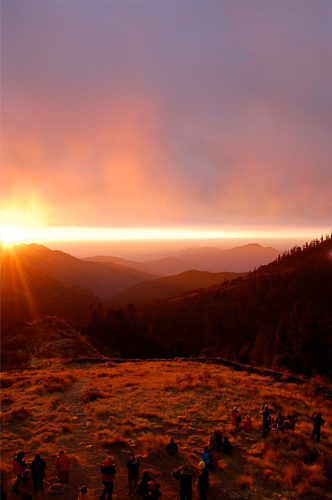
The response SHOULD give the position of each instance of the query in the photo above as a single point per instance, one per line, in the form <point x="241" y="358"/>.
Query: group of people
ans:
<point x="32" y="478"/>
<point x="148" y="488"/>
<point x="278" y="424"/>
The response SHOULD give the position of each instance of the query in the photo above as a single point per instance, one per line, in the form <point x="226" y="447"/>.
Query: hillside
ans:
<point x="28" y="293"/>
<point x="118" y="409"/>
<point x="170" y="286"/>
<point x="279" y="316"/>
<point x="44" y="339"/>
<point x="102" y="279"/>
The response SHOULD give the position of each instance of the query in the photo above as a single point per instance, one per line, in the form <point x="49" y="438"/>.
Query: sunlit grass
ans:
<point x="121" y="409"/>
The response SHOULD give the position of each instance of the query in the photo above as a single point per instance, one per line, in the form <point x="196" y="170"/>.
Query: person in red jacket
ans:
<point x="107" y="476"/>
<point x="235" y="415"/>
<point x="24" y="486"/>
<point x="19" y="464"/>
<point x="214" y="459"/>
<point x="62" y="464"/>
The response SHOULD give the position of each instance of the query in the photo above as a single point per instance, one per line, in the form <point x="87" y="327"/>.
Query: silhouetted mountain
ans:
<point x="122" y="262"/>
<point x="239" y="259"/>
<point x="279" y="316"/>
<point x="28" y="293"/>
<point x="169" y="266"/>
<point x="170" y="286"/>
<point x="102" y="279"/>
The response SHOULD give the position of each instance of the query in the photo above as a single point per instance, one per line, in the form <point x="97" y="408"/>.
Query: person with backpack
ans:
<point x="203" y="481"/>
<point x="37" y="468"/>
<point x="62" y="464"/>
<point x="142" y="488"/>
<point x="318" y="422"/>
<point x="24" y="486"/>
<point x="280" y="422"/>
<point x="266" y="415"/>
<point x="185" y="477"/>
<point x="133" y="465"/>
<point x="235" y="415"/>
<point x="19" y="464"/>
<point x="107" y="470"/>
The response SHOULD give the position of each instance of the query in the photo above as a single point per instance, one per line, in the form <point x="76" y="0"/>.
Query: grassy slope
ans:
<point x="119" y="409"/>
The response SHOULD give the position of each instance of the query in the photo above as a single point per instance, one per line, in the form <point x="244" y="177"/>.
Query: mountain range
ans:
<point x="277" y="316"/>
<point x="240" y="259"/>
<point x="37" y="281"/>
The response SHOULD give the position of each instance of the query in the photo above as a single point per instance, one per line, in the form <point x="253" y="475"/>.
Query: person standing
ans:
<point x="184" y="476"/>
<point x="107" y="476"/>
<point x="62" y="464"/>
<point x="203" y="481"/>
<point x="235" y="414"/>
<point x="171" y="447"/>
<point x="265" y="412"/>
<point x="318" y="422"/>
<point x="19" y="464"/>
<point x="37" y="467"/>
<point x="280" y="422"/>
<point x="133" y="465"/>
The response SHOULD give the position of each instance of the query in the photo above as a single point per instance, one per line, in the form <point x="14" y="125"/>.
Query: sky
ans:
<point x="166" y="115"/>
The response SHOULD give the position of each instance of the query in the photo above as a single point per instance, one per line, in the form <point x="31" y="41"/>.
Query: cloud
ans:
<point x="161" y="114"/>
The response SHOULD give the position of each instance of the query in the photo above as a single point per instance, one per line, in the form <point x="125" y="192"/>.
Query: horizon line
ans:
<point x="34" y="234"/>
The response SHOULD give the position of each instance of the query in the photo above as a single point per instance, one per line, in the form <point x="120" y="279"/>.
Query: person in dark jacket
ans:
<point x="142" y="488"/>
<point x="133" y="470"/>
<point x="203" y="481"/>
<point x="185" y="477"/>
<point x="265" y="412"/>
<point x="290" y="422"/>
<point x="227" y="446"/>
<point x="280" y="422"/>
<point x="37" y="467"/>
<point x="19" y="464"/>
<point x="218" y="437"/>
<point x="154" y="491"/>
<point x="107" y="476"/>
<point x="318" y="422"/>
<point x="171" y="447"/>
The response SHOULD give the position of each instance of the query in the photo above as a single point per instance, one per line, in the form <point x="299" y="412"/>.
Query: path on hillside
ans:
<point x="83" y="444"/>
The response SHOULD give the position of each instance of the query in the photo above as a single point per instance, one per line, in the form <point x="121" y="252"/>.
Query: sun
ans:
<point x="11" y="235"/>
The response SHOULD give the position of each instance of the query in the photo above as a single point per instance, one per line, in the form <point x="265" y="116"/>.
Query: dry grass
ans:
<point x="119" y="409"/>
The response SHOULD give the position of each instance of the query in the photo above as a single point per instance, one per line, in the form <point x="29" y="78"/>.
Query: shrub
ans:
<point x="152" y="442"/>
<point x="16" y="415"/>
<point x="245" y="481"/>
<point x="92" y="395"/>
